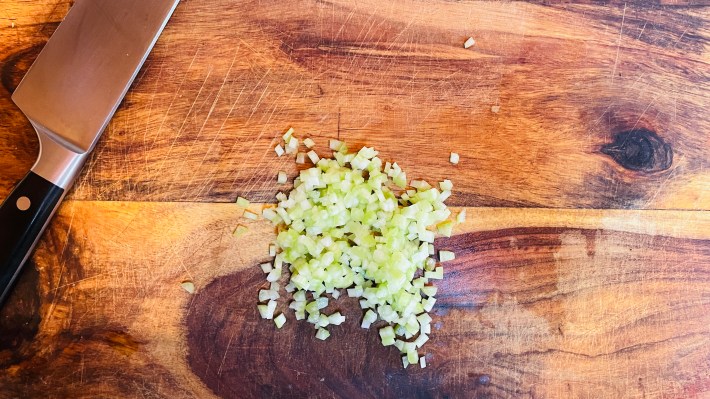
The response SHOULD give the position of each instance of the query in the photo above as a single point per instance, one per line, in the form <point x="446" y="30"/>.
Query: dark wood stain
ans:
<point x="79" y="360"/>
<point x="14" y="67"/>
<point x="515" y="271"/>
<point x="640" y="150"/>
<point x="20" y="317"/>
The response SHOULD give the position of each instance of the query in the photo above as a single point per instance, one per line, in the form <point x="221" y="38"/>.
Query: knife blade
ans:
<point x="69" y="95"/>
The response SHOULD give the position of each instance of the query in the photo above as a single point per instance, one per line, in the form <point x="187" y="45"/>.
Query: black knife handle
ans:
<point x="23" y="216"/>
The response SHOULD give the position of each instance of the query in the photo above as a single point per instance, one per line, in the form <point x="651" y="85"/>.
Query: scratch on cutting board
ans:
<point x="178" y="134"/>
<point x="252" y="183"/>
<point x="681" y="37"/>
<point x="642" y="30"/>
<point x="246" y="123"/>
<point x="172" y="101"/>
<point x="343" y="25"/>
<point x="618" y="44"/>
<point x="199" y="133"/>
<point x="226" y="350"/>
<point x="660" y="187"/>
<point x="150" y="113"/>
<point x="52" y="307"/>
<point x="283" y="104"/>
<point x="643" y="113"/>
<point x="210" y="177"/>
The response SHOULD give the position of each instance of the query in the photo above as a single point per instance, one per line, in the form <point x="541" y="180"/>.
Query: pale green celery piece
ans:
<point x="251" y="215"/>
<point x="387" y="335"/>
<point x="461" y="217"/>
<point x="243" y="202"/>
<point x="281" y="178"/>
<point x="313" y="318"/>
<point x="240" y="230"/>
<point x="266" y="295"/>
<point x="335" y="144"/>
<point x="312" y="307"/>
<point x="429" y="290"/>
<point x="446" y="185"/>
<point x="424" y="318"/>
<point x="412" y="357"/>
<point x="369" y="318"/>
<point x="322" y="302"/>
<point x="301" y="158"/>
<point x="445" y="228"/>
<point x="188" y="286"/>
<point x="322" y="334"/>
<point x="429" y="304"/>
<point x="437" y="274"/>
<point x="263" y="311"/>
<point x="445" y="256"/>
<point x="345" y="225"/>
<point x="336" y="319"/>
<point x="280" y="320"/>
<point x="314" y="158"/>
<point x="273" y="275"/>
<point x="299" y="296"/>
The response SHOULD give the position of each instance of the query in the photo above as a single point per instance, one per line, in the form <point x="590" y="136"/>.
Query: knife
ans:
<point x="69" y="95"/>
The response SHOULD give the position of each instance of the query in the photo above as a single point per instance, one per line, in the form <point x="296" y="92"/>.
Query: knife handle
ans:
<point x="23" y="217"/>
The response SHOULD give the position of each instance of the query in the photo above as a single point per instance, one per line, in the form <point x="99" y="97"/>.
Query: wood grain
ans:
<point x="571" y="80"/>
<point x="607" y="308"/>
<point x="582" y="270"/>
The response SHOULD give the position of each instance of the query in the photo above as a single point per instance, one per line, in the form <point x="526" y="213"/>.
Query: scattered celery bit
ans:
<point x="322" y="334"/>
<point x="313" y="156"/>
<point x="282" y="178"/>
<point x="445" y="228"/>
<point x="454" y="158"/>
<point x="437" y="274"/>
<point x="266" y="267"/>
<point x="445" y="256"/>
<point x="240" y="230"/>
<point x="243" y="202"/>
<point x="461" y="217"/>
<point x="188" y="286"/>
<point x="301" y="158"/>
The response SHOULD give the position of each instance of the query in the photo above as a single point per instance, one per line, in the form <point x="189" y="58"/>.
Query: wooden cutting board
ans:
<point x="582" y="270"/>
